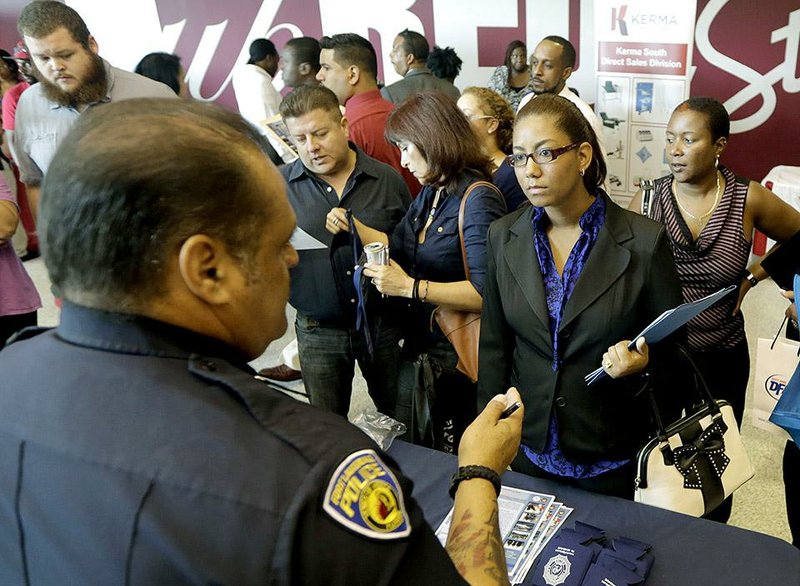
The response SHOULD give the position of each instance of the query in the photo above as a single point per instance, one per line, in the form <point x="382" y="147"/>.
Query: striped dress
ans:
<point x="715" y="260"/>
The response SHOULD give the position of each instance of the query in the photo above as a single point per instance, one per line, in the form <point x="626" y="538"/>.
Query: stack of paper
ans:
<point x="527" y="522"/>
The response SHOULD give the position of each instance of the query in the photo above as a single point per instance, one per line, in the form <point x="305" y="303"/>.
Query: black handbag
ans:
<point x="695" y="463"/>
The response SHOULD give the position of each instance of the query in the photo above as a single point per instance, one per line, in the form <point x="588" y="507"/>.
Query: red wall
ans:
<point x="741" y="31"/>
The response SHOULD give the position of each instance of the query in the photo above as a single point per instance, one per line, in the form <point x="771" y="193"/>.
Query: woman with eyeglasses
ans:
<point x="438" y="146"/>
<point x="570" y="281"/>
<point x="492" y="120"/>
<point x="710" y="213"/>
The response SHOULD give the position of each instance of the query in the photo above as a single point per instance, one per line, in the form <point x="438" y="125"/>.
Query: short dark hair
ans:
<point x="496" y="106"/>
<point x="10" y="63"/>
<point x="306" y="49"/>
<point x="261" y="49"/>
<point x="568" y="55"/>
<point x="441" y="133"/>
<point x="719" y="121"/>
<point x="43" y="17"/>
<point x="113" y="210"/>
<point x="163" y="67"/>
<point x="308" y="98"/>
<point x="444" y="63"/>
<point x="415" y="44"/>
<point x="352" y="49"/>
<point x="513" y="46"/>
<point x="574" y="124"/>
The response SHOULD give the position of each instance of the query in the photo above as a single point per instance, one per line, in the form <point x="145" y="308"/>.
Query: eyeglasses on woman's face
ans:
<point x="540" y="156"/>
<point x="474" y="117"/>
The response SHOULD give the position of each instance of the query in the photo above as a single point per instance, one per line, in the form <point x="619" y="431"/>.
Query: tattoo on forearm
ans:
<point x="476" y="545"/>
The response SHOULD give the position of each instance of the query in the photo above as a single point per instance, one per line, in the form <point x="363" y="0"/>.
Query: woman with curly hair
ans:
<point x="492" y="120"/>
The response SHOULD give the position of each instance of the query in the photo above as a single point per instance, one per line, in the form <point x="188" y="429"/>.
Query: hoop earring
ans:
<point x="716" y="161"/>
<point x="581" y="171"/>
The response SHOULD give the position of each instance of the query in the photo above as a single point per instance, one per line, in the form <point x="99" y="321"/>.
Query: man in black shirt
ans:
<point x="333" y="172"/>
<point x="146" y="452"/>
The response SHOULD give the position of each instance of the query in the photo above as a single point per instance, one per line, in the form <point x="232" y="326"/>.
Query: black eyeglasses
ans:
<point x="540" y="157"/>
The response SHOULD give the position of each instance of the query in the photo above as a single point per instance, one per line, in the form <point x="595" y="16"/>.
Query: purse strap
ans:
<point x="647" y="196"/>
<point x="778" y="333"/>
<point x="700" y="386"/>
<point x="461" y="209"/>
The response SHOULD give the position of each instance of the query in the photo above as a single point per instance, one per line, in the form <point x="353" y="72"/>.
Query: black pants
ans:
<point x="791" y="470"/>
<point x="618" y="482"/>
<point x="452" y="400"/>
<point x="11" y="324"/>
<point x="791" y="481"/>
<point x="726" y="372"/>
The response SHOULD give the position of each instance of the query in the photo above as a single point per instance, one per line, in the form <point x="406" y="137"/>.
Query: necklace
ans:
<point x="434" y="206"/>
<point x="700" y="219"/>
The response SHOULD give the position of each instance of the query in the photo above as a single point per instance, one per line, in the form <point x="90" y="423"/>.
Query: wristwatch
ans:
<point x="750" y="277"/>
<point x="468" y="472"/>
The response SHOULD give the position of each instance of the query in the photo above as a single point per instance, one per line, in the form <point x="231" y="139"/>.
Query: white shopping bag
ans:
<point x="776" y="361"/>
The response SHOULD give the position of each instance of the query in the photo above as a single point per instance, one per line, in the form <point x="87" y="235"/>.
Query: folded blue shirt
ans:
<point x="566" y="558"/>
<point x="608" y="571"/>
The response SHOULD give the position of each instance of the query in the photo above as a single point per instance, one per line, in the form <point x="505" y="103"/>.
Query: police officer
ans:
<point x="145" y="452"/>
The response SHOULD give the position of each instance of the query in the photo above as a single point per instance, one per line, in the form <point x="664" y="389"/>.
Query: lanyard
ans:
<point x="362" y="323"/>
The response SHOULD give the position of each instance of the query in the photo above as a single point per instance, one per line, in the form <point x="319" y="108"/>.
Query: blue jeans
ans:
<point x="327" y="358"/>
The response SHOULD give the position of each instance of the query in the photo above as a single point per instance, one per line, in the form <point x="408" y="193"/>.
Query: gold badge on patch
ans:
<point x="378" y="504"/>
<point x="364" y="496"/>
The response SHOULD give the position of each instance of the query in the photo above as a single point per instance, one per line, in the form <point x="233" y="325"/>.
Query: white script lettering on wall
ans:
<point x="758" y="85"/>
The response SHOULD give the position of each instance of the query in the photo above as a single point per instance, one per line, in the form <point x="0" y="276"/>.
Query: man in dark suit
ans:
<point x="409" y="58"/>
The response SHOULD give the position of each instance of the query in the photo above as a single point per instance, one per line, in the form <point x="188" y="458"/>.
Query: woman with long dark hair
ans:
<point x="440" y="149"/>
<point x="9" y="72"/>
<point x="166" y="68"/>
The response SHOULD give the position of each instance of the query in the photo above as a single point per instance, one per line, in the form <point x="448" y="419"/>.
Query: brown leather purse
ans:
<point x="463" y="328"/>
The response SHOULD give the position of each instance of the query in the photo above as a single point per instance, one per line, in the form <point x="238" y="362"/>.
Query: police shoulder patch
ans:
<point x="364" y="496"/>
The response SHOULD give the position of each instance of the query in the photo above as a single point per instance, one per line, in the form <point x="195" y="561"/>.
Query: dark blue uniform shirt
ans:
<point x="135" y="452"/>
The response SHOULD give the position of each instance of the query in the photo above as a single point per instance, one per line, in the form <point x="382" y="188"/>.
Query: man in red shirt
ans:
<point x="9" y="108"/>
<point x="349" y="67"/>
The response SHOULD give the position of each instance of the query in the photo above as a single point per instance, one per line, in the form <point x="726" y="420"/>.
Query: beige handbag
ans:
<point x="694" y="464"/>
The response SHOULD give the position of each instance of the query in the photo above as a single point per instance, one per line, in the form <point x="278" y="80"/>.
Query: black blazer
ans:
<point x="628" y="280"/>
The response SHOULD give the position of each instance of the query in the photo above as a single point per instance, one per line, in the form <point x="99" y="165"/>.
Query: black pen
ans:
<point x="509" y="410"/>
